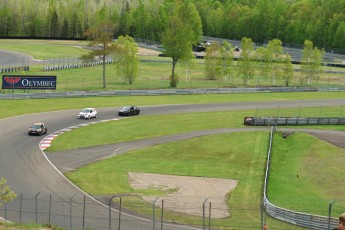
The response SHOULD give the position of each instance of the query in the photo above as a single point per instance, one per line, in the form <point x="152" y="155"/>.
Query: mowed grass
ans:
<point x="45" y="49"/>
<point x="305" y="174"/>
<point x="216" y="156"/>
<point x="226" y="156"/>
<point x="143" y="127"/>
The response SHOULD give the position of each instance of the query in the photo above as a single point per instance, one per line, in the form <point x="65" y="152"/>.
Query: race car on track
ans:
<point x="38" y="129"/>
<point x="129" y="110"/>
<point x="87" y="113"/>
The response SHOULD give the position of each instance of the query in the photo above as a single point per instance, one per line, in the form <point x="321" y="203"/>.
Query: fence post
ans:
<point x="203" y="214"/>
<point x="70" y="212"/>
<point x="120" y="213"/>
<point x="21" y="206"/>
<point x="50" y="207"/>
<point x="153" y="212"/>
<point x="162" y="215"/>
<point x="329" y="214"/>
<point x="109" y="204"/>
<point x="84" y="212"/>
<point x="36" y="204"/>
<point x="5" y="211"/>
<point x="263" y="219"/>
<point x="209" y="217"/>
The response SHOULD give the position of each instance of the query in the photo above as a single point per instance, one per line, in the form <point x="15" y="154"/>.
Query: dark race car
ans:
<point x="38" y="129"/>
<point x="129" y="110"/>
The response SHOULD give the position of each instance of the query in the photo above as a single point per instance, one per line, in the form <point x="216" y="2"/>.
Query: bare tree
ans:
<point x="101" y="44"/>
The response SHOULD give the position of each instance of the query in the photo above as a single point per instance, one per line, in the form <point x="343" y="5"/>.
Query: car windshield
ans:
<point x="36" y="126"/>
<point x="126" y="107"/>
<point x="85" y="110"/>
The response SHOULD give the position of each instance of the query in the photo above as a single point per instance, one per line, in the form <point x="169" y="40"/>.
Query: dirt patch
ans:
<point x="145" y="51"/>
<point x="186" y="194"/>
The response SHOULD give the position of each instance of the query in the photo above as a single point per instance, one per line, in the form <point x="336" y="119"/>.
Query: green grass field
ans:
<point x="232" y="156"/>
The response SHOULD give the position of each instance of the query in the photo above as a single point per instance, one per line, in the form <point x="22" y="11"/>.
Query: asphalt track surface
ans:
<point x="15" y="59"/>
<point x="29" y="171"/>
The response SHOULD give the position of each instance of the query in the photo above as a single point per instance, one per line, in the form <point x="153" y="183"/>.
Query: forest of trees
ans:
<point x="291" y="21"/>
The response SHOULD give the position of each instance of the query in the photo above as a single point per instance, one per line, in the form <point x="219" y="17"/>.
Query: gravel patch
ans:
<point x="187" y="194"/>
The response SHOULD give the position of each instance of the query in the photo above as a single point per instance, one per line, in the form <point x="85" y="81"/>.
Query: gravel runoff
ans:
<point x="186" y="194"/>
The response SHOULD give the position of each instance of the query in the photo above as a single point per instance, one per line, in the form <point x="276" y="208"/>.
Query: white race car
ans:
<point x="87" y="113"/>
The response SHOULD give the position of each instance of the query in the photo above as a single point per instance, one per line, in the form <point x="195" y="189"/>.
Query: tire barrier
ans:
<point x="14" y="69"/>
<point x="72" y="66"/>
<point x="275" y="121"/>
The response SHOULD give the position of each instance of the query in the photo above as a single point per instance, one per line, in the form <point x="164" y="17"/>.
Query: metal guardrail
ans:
<point x="281" y="121"/>
<point x="301" y="219"/>
<point x="297" y="218"/>
<point x="162" y="92"/>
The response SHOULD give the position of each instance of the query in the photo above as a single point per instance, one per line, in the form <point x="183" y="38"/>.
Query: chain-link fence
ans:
<point x="121" y="212"/>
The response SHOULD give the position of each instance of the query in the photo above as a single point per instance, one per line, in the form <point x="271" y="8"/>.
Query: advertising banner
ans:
<point x="28" y="82"/>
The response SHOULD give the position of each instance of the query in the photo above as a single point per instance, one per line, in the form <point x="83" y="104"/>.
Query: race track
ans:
<point x="28" y="170"/>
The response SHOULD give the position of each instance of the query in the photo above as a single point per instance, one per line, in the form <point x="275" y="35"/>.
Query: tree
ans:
<point x="311" y="63"/>
<point x="124" y="20"/>
<point x="101" y="44"/>
<point x="287" y="71"/>
<point x="127" y="60"/>
<point x="54" y="25"/>
<point x="226" y="60"/>
<point x="6" y="194"/>
<point x="246" y="68"/>
<point x="274" y="54"/>
<point x="188" y="62"/>
<point x="212" y="57"/>
<point x="262" y="64"/>
<point x="183" y="31"/>
<point x="176" y="42"/>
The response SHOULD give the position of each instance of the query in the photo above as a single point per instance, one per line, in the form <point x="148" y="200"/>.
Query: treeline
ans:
<point x="291" y="21"/>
